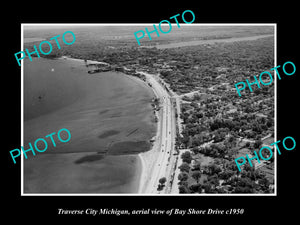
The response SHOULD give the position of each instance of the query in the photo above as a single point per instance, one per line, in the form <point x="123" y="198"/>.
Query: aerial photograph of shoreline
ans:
<point x="160" y="118"/>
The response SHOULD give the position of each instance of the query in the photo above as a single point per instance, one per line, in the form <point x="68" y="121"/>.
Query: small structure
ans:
<point x="99" y="67"/>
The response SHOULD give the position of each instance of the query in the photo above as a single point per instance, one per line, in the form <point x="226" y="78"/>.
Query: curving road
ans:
<point x="162" y="167"/>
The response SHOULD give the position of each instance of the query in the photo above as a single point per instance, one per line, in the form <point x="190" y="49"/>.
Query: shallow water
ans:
<point x="102" y="111"/>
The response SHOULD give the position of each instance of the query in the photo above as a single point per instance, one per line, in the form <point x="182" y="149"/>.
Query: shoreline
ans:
<point x="146" y="159"/>
<point x="141" y="166"/>
<point x="142" y="173"/>
<point x="132" y="184"/>
<point x="80" y="60"/>
<point x="149" y="158"/>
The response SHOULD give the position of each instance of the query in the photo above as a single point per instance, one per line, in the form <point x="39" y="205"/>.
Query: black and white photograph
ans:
<point x="142" y="111"/>
<point x="159" y="117"/>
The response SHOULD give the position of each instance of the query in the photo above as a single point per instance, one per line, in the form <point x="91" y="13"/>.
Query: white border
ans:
<point x="275" y="106"/>
<point x="22" y="111"/>
<point x="145" y="24"/>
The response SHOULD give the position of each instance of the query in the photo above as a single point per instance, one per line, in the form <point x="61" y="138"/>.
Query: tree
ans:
<point x="196" y="141"/>
<point x="213" y="180"/>
<point x="196" y="175"/>
<point x="195" y="149"/>
<point x="231" y="139"/>
<point x="264" y="183"/>
<point x="186" y="157"/>
<point x="219" y="137"/>
<point x="162" y="180"/>
<point x="207" y="188"/>
<point x="225" y="175"/>
<point x="196" y="166"/>
<point x="196" y="188"/>
<point x="221" y="190"/>
<point x="269" y="123"/>
<point x="214" y="169"/>
<point x="184" y="167"/>
<point x="185" y="139"/>
<point x="197" y="97"/>
<point x="183" y="189"/>
<point x="199" y="115"/>
<point x="183" y="176"/>
<point x="161" y="184"/>
<point x="257" y="144"/>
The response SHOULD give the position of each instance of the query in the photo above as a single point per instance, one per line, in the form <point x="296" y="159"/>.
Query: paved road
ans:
<point x="162" y="165"/>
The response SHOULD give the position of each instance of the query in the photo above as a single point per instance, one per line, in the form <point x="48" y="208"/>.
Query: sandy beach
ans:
<point x="88" y="61"/>
<point x="149" y="158"/>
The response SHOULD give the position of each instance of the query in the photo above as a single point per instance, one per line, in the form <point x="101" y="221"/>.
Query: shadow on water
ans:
<point x="108" y="133"/>
<point x="120" y="148"/>
<point x="90" y="158"/>
<point x="103" y="111"/>
<point x="128" y="147"/>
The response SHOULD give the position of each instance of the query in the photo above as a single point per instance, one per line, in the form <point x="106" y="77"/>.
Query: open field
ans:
<point x="209" y="41"/>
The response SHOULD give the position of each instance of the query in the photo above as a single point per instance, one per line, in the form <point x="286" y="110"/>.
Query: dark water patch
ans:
<point x="103" y="111"/>
<point x="90" y="158"/>
<point x="108" y="133"/>
<point x="129" y="147"/>
<point x="131" y="132"/>
<point x="118" y="114"/>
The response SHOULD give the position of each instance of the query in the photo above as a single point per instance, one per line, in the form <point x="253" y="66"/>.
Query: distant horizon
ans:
<point x="110" y="29"/>
<point x="32" y="26"/>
